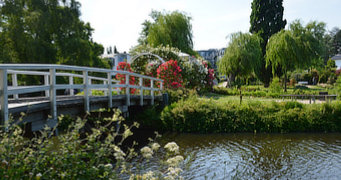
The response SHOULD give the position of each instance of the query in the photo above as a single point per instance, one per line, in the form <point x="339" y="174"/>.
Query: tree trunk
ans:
<point x="240" y="95"/>
<point x="285" y="82"/>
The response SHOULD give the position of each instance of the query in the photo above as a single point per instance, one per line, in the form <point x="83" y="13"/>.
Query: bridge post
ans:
<point x="86" y="91"/>
<point x="141" y="91"/>
<point x="4" y="98"/>
<point x="152" y="91"/>
<point x="15" y="84"/>
<point x="71" y="83"/>
<point x="109" y="90"/>
<point x="127" y="90"/>
<point x="53" y="98"/>
<point x="46" y="83"/>
<point x="90" y="91"/>
<point x="161" y="87"/>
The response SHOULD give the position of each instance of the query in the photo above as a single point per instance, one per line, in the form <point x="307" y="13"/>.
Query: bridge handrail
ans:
<point x="50" y="85"/>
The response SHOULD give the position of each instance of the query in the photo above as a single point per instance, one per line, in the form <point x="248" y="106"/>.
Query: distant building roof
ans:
<point x="337" y="57"/>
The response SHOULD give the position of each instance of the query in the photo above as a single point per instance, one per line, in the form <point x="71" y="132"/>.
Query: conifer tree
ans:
<point x="266" y="19"/>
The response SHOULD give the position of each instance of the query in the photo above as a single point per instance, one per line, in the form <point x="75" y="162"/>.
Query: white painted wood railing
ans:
<point x="50" y="87"/>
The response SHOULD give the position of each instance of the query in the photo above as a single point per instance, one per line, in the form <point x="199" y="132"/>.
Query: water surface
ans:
<point x="260" y="156"/>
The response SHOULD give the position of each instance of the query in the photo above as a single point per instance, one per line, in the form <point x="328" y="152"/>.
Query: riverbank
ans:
<point x="224" y="114"/>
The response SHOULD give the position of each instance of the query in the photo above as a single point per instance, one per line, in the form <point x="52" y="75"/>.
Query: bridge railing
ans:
<point x="50" y="87"/>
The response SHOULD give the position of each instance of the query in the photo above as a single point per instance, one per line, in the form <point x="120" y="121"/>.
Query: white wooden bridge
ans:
<point x="44" y="110"/>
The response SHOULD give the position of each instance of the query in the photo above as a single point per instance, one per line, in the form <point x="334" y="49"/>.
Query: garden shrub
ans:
<point x="208" y="115"/>
<point x="83" y="153"/>
<point x="175" y="95"/>
<point x="170" y="73"/>
<point x="275" y="85"/>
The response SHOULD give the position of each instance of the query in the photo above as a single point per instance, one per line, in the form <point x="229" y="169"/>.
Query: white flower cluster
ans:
<point x="150" y="175"/>
<point x="175" y="161"/>
<point x="155" y="146"/>
<point x="147" y="152"/>
<point x="119" y="154"/>
<point x="173" y="173"/>
<point x="172" y="147"/>
<point x="197" y="72"/>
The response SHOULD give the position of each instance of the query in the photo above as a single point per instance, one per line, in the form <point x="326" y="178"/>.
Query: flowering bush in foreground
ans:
<point x="170" y="73"/>
<point x="79" y="153"/>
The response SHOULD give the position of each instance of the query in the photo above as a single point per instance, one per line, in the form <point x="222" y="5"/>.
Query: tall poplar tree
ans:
<point x="266" y="19"/>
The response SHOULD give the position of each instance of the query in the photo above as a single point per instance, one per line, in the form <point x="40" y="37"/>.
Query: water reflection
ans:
<point x="261" y="156"/>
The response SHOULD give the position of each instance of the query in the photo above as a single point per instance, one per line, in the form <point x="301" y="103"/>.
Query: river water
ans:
<point x="260" y="156"/>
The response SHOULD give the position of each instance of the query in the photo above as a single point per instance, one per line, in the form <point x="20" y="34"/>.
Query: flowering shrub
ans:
<point x="170" y="73"/>
<point x="151" y="70"/>
<point x="165" y="52"/>
<point x="197" y="74"/>
<point x="123" y="66"/>
<point x="81" y="153"/>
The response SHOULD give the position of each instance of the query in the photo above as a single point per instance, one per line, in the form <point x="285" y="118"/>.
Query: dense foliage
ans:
<point x="46" y="31"/>
<point x="242" y="57"/>
<point x="208" y="116"/>
<point x="173" y="29"/>
<point x="266" y="19"/>
<point x="88" y="149"/>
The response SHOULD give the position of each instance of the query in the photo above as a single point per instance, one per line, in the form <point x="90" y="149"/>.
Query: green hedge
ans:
<point x="263" y="92"/>
<point x="211" y="116"/>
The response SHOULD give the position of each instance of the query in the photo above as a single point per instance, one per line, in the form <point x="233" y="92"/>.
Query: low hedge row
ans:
<point x="211" y="116"/>
<point x="257" y="92"/>
<point x="254" y="93"/>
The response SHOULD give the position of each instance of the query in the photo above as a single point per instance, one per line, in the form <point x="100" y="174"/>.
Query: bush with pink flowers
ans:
<point x="170" y="72"/>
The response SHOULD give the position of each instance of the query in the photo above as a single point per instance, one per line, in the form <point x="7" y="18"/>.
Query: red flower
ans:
<point x="169" y="72"/>
<point x="123" y="66"/>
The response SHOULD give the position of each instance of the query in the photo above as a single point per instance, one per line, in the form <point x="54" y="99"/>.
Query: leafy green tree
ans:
<point x="242" y="57"/>
<point x="266" y="19"/>
<point x="173" y="29"/>
<point x="283" y="51"/>
<point x="46" y="31"/>
<point x="311" y="39"/>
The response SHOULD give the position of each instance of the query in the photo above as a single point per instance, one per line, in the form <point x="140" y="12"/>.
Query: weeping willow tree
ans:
<point x="242" y="57"/>
<point x="284" y="50"/>
<point x="173" y="29"/>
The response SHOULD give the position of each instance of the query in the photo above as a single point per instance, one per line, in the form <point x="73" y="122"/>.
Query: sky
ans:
<point x="118" y="22"/>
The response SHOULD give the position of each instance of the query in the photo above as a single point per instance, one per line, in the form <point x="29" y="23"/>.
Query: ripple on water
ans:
<point x="264" y="156"/>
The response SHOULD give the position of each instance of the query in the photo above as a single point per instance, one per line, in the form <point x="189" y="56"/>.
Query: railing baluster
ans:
<point x="109" y="90"/>
<point x="71" y="83"/>
<point x="161" y="86"/>
<point x="4" y="98"/>
<point x="15" y="84"/>
<point x="90" y="90"/>
<point x="127" y="90"/>
<point x="141" y="91"/>
<point x="46" y="83"/>
<point x="152" y="91"/>
<point x="53" y="98"/>
<point x="86" y="91"/>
